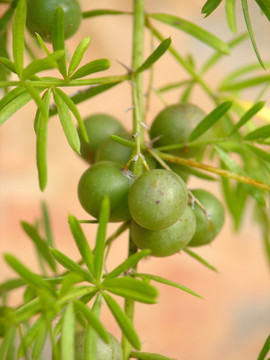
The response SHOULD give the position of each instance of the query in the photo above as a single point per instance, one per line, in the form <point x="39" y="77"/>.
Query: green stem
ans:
<point x="215" y="170"/>
<point x="54" y="82"/>
<point x="138" y="130"/>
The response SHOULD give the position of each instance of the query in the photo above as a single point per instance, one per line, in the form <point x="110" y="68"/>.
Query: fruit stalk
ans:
<point x="137" y="102"/>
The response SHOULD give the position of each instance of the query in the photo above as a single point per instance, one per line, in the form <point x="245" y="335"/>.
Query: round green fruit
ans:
<point x="210" y="224"/>
<point x="40" y="16"/>
<point x="99" y="127"/>
<point x="174" y="124"/>
<point x="111" y="351"/>
<point x="157" y="199"/>
<point x="102" y="179"/>
<point x="168" y="241"/>
<point x="111" y="150"/>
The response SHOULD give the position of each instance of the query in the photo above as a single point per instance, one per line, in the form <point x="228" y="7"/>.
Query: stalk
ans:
<point x="137" y="102"/>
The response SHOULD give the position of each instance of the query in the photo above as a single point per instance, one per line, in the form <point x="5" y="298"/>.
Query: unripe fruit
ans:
<point x="207" y="228"/>
<point x="174" y="124"/>
<point x="111" y="150"/>
<point x="167" y="241"/>
<point x="157" y="199"/>
<point x="111" y="351"/>
<point x="40" y="16"/>
<point x="102" y="179"/>
<point x="99" y="127"/>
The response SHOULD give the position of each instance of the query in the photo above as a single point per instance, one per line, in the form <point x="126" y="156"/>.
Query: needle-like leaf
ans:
<point x="210" y="120"/>
<point x="101" y="237"/>
<point x="250" y="31"/>
<point x="67" y="122"/>
<point x="231" y="16"/>
<point x="41" y="127"/>
<point x="131" y="288"/>
<point x="210" y="6"/>
<point x="18" y="36"/>
<point x="81" y="242"/>
<point x="123" y="321"/>
<point x="193" y="30"/>
<point x="68" y="332"/>
<point x="247" y="116"/>
<point x="157" y="53"/>
<point x="93" y="320"/>
<point x="78" y="54"/>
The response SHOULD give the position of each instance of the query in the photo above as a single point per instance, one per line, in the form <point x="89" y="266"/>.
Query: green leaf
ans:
<point x="247" y="116"/>
<point x="72" y="107"/>
<point x="256" y="193"/>
<point x="39" y="341"/>
<point x="123" y="321"/>
<point x="250" y="31"/>
<point x="193" y="30"/>
<point x="26" y="274"/>
<point x="11" y="285"/>
<point x="67" y="123"/>
<point x="83" y="95"/>
<point x="236" y="208"/>
<point x="8" y="345"/>
<point x="217" y="56"/>
<point x="91" y="68"/>
<point x="101" y="237"/>
<point x="47" y="224"/>
<point x="13" y="94"/>
<point x="93" y="320"/>
<point x="148" y="356"/>
<point x="68" y="333"/>
<point x="101" y="12"/>
<point x="42" y="44"/>
<point x="18" y="36"/>
<point x="40" y="244"/>
<point x="129" y="263"/>
<point x="81" y="242"/>
<point x="264" y="155"/>
<point x="30" y="337"/>
<point x="35" y="96"/>
<point x="131" y="288"/>
<point x="58" y="38"/>
<point x="210" y="120"/>
<point x="78" y="54"/>
<point x="90" y="343"/>
<point x="200" y="259"/>
<point x="169" y="282"/>
<point x="231" y="15"/>
<point x="260" y="133"/>
<point x="243" y="70"/>
<point x="265" y="349"/>
<point x="71" y="265"/>
<point x="41" y="127"/>
<point x="157" y="53"/>
<point x="8" y="110"/>
<point x="210" y="6"/>
<point x="259" y="80"/>
<point x="38" y="65"/>
<point x="265" y="7"/>
<point x="8" y="64"/>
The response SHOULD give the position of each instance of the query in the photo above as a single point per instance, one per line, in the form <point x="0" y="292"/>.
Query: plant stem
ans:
<point x="137" y="102"/>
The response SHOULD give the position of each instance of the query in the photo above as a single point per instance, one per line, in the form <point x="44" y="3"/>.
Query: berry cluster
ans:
<point x="165" y="217"/>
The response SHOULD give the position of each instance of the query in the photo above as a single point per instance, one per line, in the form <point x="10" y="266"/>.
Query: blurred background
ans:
<point x="233" y="320"/>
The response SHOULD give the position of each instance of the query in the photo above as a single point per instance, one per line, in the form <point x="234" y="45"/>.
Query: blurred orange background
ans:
<point x="233" y="320"/>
